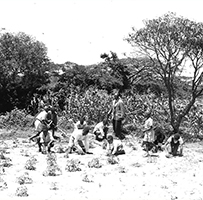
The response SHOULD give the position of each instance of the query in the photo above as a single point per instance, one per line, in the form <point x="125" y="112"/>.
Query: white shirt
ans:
<point x="99" y="128"/>
<point x="114" y="146"/>
<point x="149" y="134"/>
<point x="42" y="115"/>
<point x="180" y="140"/>
<point x="76" y="136"/>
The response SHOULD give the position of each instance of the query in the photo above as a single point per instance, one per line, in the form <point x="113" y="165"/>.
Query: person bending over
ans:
<point x="114" y="147"/>
<point x="174" y="146"/>
<point x="79" y="141"/>
<point x="46" y="141"/>
<point x="43" y="121"/>
<point x="100" y="130"/>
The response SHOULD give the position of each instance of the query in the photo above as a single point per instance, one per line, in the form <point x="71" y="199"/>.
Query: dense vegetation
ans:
<point x="153" y="78"/>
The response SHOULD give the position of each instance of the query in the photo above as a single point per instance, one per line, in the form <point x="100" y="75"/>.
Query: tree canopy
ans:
<point x="23" y="66"/>
<point x="172" y="43"/>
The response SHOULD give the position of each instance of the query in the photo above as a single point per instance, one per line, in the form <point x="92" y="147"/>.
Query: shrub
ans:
<point x="52" y="166"/>
<point x="22" y="191"/>
<point x="94" y="163"/>
<point x="16" y="119"/>
<point x="73" y="165"/>
<point x="31" y="163"/>
<point x="112" y="160"/>
<point x="87" y="178"/>
<point x="24" y="179"/>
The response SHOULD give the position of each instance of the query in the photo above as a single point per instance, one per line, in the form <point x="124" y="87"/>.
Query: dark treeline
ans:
<point x="164" y="48"/>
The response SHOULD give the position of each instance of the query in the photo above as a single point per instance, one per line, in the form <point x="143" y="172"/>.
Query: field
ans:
<point x="25" y="173"/>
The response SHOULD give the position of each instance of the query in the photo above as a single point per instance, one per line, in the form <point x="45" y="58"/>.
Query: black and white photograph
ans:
<point x="101" y="99"/>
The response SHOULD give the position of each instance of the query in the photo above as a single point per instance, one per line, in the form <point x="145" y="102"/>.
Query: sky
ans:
<point x="80" y="31"/>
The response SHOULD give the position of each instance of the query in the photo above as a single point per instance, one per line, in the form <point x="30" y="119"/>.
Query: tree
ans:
<point x="117" y="70"/>
<point x="23" y="66"/>
<point x="173" y="44"/>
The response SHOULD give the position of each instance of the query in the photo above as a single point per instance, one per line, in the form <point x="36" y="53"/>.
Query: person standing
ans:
<point x="148" y="140"/>
<point x="118" y="113"/>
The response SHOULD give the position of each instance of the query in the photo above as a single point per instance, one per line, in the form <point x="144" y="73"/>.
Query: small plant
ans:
<point x="54" y="186"/>
<point x="31" y="164"/>
<point x="59" y="149"/>
<point x="25" y="153"/>
<point x="24" y="179"/>
<point x="94" y="163"/>
<point x="5" y="163"/>
<point x="72" y="165"/>
<point x="52" y="166"/>
<point x="87" y="178"/>
<point x="136" y="164"/>
<point x="3" y="184"/>
<point x="2" y="170"/>
<point x="122" y="169"/>
<point x="112" y="160"/>
<point x="22" y="191"/>
<point x="2" y="155"/>
<point x="151" y="159"/>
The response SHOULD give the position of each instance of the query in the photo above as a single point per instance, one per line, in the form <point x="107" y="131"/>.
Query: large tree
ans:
<point x="174" y="44"/>
<point x="23" y="66"/>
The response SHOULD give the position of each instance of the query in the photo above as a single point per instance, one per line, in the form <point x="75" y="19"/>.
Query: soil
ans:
<point x="131" y="177"/>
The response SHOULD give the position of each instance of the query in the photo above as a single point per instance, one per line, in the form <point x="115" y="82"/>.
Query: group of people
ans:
<point x="153" y="140"/>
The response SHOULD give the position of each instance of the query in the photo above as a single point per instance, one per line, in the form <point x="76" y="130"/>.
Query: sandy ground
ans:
<point x="133" y="177"/>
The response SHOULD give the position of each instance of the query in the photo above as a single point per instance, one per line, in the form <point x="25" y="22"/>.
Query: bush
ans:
<point x="73" y="165"/>
<point x="16" y="119"/>
<point x="22" y="191"/>
<point x="52" y="166"/>
<point x="94" y="163"/>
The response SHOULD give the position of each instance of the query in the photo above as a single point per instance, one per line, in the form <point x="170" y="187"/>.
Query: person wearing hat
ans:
<point x="114" y="147"/>
<point x="79" y="141"/>
<point x="174" y="146"/>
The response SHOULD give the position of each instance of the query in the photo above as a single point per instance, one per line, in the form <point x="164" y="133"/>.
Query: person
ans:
<point x="81" y="123"/>
<point x="34" y="104"/>
<point x="174" y="146"/>
<point x="41" y="122"/>
<point x="118" y="112"/>
<point x="99" y="133"/>
<point x="45" y="120"/>
<point x="159" y="138"/>
<point x="148" y="140"/>
<point x="79" y="141"/>
<point x="46" y="140"/>
<point x="114" y="147"/>
<point x="52" y="117"/>
<point x="100" y="130"/>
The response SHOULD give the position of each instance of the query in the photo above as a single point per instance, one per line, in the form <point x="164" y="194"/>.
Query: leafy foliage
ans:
<point x="23" y="63"/>
<point x="169" y="41"/>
